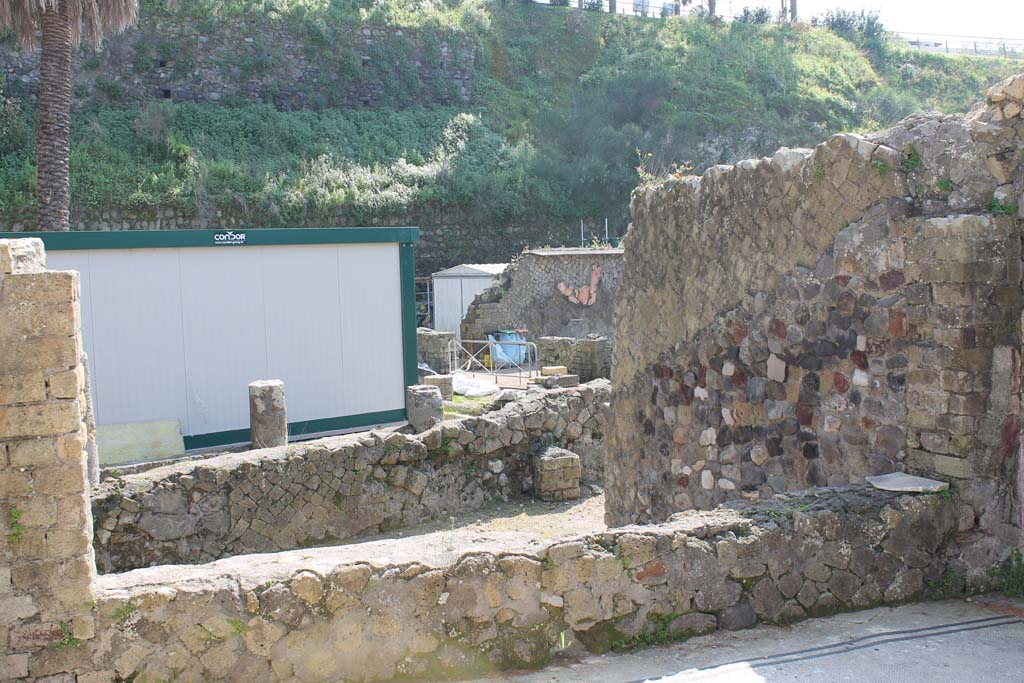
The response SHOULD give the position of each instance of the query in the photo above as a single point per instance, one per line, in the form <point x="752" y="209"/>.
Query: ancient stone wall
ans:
<point x="827" y="314"/>
<point x="449" y="235"/>
<point x="339" y="488"/>
<point x="46" y="562"/>
<point x="432" y="348"/>
<point x="590" y="357"/>
<point x="435" y="607"/>
<point x="447" y="605"/>
<point x="551" y="292"/>
<point x="251" y="59"/>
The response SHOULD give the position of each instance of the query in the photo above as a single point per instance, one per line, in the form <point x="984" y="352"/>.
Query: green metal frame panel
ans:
<point x="176" y="239"/>
<point x="405" y="260"/>
<point x="258" y="237"/>
<point x="296" y="429"/>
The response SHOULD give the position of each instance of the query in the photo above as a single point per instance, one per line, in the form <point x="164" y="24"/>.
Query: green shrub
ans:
<point x="561" y="103"/>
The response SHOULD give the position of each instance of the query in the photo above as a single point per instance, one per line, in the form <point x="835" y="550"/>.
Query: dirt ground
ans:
<point x="545" y="520"/>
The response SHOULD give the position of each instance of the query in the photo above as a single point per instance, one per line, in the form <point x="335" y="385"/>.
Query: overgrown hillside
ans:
<point x="565" y="105"/>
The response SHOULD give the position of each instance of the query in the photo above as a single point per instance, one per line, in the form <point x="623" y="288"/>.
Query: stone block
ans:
<point x="46" y="287"/>
<point x="23" y="255"/>
<point x="32" y="636"/>
<point x="67" y="384"/>
<point x="59" y="479"/>
<point x="941" y="465"/>
<point x="442" y="382"/>
<point x="32" y="319"/>
<point x="556" y="381"/>
<point x="13" y="667"/>
<point x="22" y="388"/>
<point x="33" y="452"/>
<point x="268" y="421"/>
<point x="40" y="353"/>
<point x="967" y="404"/>
<point x="424" y="406"/>
<point x="557" y="475"/>
<point x="40" y="419"/>
<point x="550" y="370"/>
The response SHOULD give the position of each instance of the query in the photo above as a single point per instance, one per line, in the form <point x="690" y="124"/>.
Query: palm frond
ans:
<point x="93" y="19"/>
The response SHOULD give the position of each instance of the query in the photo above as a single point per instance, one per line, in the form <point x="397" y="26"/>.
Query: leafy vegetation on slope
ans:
<point x="564" y="101"/>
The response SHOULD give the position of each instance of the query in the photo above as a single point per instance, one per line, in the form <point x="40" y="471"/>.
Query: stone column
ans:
<point x="268" y="423"/>
<point x="46" y="558"/>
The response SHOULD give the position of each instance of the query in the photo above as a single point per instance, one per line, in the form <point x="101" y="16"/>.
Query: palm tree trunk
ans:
<point x="53" y="136"/>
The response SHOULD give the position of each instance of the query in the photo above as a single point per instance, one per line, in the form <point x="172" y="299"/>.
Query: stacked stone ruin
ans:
<point x="342" y="488"/>
<point x="527" y="296"/>
<point x="838" y="323"/>
<point x="825" y="314"/>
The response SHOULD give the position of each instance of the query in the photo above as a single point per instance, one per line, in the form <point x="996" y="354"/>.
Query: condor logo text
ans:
<point x="229" y="237"/>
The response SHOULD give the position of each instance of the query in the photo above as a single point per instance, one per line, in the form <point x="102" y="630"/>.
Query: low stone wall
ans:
<point x="562" y="292"/>
<point x="420" y="610"/>
<point x="342" y="487"/>
<point x="589" y="358"/>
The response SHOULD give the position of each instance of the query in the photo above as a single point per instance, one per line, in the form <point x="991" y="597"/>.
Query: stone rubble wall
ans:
<point x="449" y="234"/>
<point x="340" y="488"/>
<point x="527" y="296"/>
<point x="46" y="560"/>
<point x="234" y="60"/>
<point x="448" y="606"/>
<point x="590" y="357"/>
<point x="827" y="314"/>
<point x="432" y="348"/>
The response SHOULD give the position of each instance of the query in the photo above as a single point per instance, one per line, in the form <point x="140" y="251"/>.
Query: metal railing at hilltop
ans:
<point x="963" y="45"/>
<point x="982" y="46"/>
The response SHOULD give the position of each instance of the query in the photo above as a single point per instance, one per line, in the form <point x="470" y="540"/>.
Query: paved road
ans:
<point x="954" y="641"/>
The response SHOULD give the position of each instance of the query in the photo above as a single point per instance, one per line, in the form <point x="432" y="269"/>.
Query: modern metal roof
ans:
<point x="576" y="251"/>
<point x="473" y="270"/>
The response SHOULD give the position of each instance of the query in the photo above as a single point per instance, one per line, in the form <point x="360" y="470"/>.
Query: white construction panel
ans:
<point x="175" y="335"/>
<point x="452" y="297"/>
<point x="448" y="311"/>
<point x="225" y="331"/>
<point x="133" y="304"/>
<point x="471" y="286"/>
<point x="370" y="297"/>
<point x="304" y="328"/>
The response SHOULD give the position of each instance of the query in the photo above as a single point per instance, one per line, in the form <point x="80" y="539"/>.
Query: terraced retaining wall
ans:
<point x="827" y="314"/>
<point x="251" y="59"/>
<point x="444" y="606"/>
<point x="342" y="487"/>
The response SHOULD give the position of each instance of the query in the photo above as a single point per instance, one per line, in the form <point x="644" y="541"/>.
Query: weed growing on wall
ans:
<point x="17" y="529"/>
<point x="1009" y="576"/>
<point x="67" y="639"/>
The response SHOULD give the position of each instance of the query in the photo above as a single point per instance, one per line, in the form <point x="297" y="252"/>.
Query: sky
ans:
<point x="982" y="18"/>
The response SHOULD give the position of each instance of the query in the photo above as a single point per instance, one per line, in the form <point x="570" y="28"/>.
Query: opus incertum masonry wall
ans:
<point x="443" y="605"/>
<point x="822" y="315"/>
